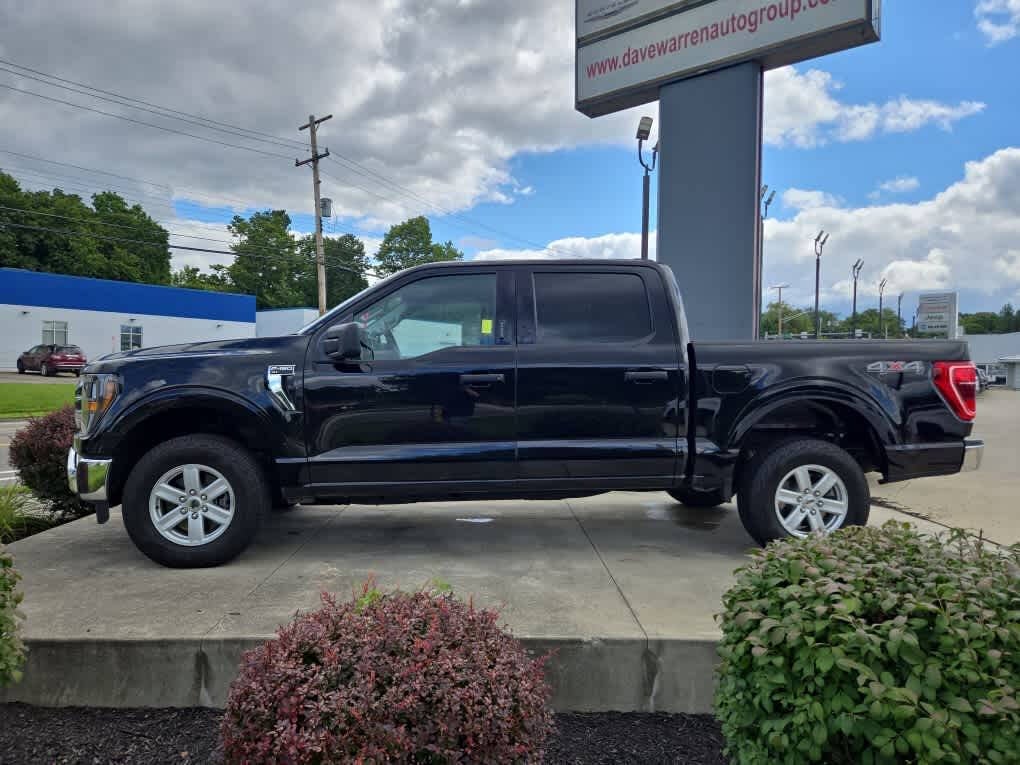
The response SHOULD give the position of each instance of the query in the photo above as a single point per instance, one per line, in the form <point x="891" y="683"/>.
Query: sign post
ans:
<point x="703" y="60"/>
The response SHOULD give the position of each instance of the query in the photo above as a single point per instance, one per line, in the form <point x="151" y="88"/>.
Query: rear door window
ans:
<point x="580" y="307"/>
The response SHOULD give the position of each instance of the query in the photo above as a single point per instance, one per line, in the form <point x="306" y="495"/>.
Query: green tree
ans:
<point x="59" y="233"/>
<point x="191" y="278"/>
<point x="410" y="244"/>
<point x="346" y="265"/>
<point x="1007" y="319"/>
<point x="267" y="263"/>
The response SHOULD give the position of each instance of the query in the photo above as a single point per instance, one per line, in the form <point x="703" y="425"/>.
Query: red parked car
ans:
<point x="48" y="360"/>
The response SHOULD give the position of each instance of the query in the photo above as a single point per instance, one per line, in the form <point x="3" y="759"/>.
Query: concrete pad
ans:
<point x="985" y="500"/>
<point x="623" y="588"/>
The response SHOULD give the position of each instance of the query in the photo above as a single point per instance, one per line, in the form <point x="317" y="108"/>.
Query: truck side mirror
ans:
<point x="343" y="342"/>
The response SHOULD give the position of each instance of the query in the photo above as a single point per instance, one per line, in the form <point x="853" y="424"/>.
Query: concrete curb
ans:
<point x="587" y="675"/>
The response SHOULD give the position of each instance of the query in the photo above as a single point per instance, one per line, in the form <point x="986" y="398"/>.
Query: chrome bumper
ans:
<point x="973" y="451"/>
<point x="87" y="477"/>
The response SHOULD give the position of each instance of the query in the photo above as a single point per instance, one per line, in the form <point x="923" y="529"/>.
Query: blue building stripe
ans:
<point x="19" y="287"/>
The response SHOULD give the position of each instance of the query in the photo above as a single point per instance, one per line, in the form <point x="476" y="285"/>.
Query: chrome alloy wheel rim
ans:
<point x="191" y="505"/>
<point x="811" y="498"/>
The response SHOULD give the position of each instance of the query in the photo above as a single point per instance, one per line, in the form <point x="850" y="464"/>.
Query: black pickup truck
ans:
<point x="510" y="379"/>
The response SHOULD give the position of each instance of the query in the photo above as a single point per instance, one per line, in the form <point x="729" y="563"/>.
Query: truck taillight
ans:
<point x="957" y="382"/>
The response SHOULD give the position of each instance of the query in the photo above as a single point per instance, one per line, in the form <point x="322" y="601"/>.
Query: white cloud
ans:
<point x="899" y="185"/>
<point x="962" y="238"/>
<point x="802" y="199"/>
<point x="998" y="20"/>
<point x="801" y="109"/>
<point x="435" y="96"/>
<point x="625" y="245"/>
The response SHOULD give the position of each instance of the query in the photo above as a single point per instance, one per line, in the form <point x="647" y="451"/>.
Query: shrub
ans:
<point x="18" y="518"/>
<point x="420" y="677"/>
<point x="872" y="645"/>
<point x="39" y="452"/>
<point x="12" y="651"/>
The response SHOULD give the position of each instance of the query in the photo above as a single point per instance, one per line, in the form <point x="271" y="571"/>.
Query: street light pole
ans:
<point x="856" y="271"/>
<point x="780" y="288"/>
<point x="644" y="130"/>
<point x="899" y="315"/>
<point x="881" y="315"/>
<point x="820" y="241"/>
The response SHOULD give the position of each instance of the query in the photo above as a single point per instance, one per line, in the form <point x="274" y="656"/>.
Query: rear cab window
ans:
<point x="591" y="307"/>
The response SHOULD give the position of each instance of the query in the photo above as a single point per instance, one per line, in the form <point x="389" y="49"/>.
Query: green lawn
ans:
<point x="20" y="400"/>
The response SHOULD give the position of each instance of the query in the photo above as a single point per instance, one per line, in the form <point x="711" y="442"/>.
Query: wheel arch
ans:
<point x="169" y="414"/>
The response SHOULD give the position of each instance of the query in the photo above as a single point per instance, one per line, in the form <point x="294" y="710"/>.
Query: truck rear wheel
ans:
<point x="195" y="501"/>
<point x="693" y="498"/>
<point x="800" y="487"/>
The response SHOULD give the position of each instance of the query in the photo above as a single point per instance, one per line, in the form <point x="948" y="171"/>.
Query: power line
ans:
<point x="155" y="111"/>
<point x="292" y="141"/>
<point x="146" y="124"/>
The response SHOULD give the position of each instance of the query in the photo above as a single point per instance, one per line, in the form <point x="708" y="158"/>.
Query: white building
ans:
<point x="986" y="351"/>
<point x="102" y="316"/>
<point x="274" y="322"/>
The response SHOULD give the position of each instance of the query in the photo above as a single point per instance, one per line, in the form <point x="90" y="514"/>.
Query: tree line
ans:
<point x="797" y="320"/>
<point x="109" y="239"/>
<point x="991" y="323"/>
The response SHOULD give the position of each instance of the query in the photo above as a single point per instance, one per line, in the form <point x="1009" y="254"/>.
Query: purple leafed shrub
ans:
<point x="39" y="452"/>
<point x="406" y="677"/>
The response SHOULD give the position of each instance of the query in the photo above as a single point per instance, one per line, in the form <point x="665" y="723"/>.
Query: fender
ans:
<point x="245" y="413"/>
<point x="882" y="420"/>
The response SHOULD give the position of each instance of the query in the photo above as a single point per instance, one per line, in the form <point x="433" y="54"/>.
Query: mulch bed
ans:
<point x="183" y="736"/>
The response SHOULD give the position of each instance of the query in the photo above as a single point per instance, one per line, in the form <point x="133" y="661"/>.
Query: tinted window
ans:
<point x="430" y="314"/>
<point x="69" y="349"/>
<point x="591" y="308"/>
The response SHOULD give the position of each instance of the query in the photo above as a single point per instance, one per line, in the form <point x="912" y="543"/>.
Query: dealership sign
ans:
<point x="938" y="314"/>
<point x="627" y="49"/>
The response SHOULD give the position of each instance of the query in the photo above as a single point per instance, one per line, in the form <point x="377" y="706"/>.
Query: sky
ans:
<point x="907" y="151"/>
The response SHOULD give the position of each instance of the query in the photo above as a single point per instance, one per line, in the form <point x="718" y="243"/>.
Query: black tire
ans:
<point x="237" y="466"/>
<point x="693" y="498"/>
<point x="756" y="498"/>
<point x="21" y="367"/>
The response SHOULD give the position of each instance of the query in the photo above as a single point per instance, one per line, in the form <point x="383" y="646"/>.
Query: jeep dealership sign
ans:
<point x="626" y="49"/>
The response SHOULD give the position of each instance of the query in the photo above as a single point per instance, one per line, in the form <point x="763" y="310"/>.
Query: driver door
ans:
<point x="431" y="407"/>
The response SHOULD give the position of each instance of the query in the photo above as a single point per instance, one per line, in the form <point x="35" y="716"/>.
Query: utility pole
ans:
<point x="820" y="241"/>
<point x="881" y="315"/>
<point x="899" y="315"/>
<point x="320" y="255"/>
<point x="780" y="288"/>
<point x="856" y="271"/>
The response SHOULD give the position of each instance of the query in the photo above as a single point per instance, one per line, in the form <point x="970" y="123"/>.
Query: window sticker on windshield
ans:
<point x="486" y="326"/>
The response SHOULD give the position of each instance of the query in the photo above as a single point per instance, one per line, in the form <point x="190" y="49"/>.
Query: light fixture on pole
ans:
<point x="881" y="316"/>
<point x="820" y="241"/>
<point x="780" y="288"/>
<point x="855" y="270"/>
<point x="643" y="132"/>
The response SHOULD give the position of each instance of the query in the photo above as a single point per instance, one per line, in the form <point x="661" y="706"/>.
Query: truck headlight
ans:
<point x="93" y="396"/>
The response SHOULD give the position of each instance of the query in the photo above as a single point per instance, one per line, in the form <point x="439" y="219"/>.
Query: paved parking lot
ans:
<point x="987" y="499"/>
<point x="35" y="377"/>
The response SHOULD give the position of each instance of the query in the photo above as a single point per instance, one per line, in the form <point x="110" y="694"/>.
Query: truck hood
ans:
<point x="248" y="346"/>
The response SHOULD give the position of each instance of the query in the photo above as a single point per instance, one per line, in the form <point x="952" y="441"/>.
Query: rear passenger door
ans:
<point x="598" y="378"/>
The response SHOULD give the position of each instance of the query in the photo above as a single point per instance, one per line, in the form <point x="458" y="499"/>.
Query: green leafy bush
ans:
<point x="873" y="645"/>
<point x="39" y="452"/>
<point x="12" y="650"/>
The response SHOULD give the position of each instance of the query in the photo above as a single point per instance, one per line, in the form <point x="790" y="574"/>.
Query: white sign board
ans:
<point x="625" y="66"/>
<point x="595" y="17"/>
<point x="938" y="314"/>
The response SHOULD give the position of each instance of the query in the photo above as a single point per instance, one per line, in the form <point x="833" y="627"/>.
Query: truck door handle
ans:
<point x="648" y="376"/>
<point x="481" y="381"/>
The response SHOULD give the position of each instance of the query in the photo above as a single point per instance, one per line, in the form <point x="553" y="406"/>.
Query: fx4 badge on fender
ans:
<point x="888" y="367"/>
<point x="274" y="381"/>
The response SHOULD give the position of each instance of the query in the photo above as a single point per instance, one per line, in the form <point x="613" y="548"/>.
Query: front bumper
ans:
<point x="87" y="477"/>
<point x="973" y="451"/>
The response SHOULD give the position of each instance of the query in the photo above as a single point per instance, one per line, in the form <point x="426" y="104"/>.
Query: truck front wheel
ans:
<point x="195" y="501"/>
<point x="800" y="487"/>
